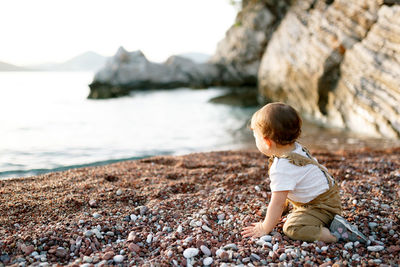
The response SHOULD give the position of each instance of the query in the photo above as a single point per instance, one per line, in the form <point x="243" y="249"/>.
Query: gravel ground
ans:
<point x="189" y="210"/>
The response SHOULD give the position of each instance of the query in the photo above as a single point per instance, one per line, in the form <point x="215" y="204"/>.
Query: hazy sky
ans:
<point x="37" y="31"/>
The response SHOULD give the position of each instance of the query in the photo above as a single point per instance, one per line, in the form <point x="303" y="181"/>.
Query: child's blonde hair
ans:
<point x="279" y="122"/>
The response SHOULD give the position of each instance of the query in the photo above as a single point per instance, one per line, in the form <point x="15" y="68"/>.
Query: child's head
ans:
<point x="278" y="122"/>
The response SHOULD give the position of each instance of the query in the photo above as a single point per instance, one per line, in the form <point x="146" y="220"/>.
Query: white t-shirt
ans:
<point x="304" y="183"/>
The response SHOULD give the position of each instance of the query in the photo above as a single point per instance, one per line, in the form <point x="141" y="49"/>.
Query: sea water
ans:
<point x="48" y="124"/>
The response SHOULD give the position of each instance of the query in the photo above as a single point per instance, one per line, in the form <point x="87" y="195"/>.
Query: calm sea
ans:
<point x="48" y="124"/>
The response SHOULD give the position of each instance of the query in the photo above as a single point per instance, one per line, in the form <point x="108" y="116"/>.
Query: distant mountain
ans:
<point x="88" y="61"/>
<point x="196" y="57"/>
<point x="9" y="67"/>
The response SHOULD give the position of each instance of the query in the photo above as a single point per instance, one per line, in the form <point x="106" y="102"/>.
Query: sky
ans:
<point x="42" y="31"/>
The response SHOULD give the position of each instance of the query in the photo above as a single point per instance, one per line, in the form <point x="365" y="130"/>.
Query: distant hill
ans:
<point x="196" y="57"/>
<point x="9" y="67"/>
<point x="88" y="61"/>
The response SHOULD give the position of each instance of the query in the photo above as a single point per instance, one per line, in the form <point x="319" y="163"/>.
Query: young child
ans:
<point x="297" y="177"/>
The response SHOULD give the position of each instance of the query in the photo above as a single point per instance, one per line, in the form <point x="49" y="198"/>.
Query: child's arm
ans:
<point x="274" y="212"/>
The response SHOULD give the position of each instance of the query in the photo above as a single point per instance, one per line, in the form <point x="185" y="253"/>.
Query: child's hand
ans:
<point x="255" y="230"/>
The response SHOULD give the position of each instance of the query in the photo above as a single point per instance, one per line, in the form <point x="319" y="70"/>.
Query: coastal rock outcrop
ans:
<point x="241" y="49"/>
<point x="127" y="71"/>
<point x="337" y="63"/>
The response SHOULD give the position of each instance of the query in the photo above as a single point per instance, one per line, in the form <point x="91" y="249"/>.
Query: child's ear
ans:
<point x="267" y="141"/>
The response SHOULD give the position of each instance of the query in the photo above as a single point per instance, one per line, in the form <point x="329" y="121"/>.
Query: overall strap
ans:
<point x="299" y="160"/>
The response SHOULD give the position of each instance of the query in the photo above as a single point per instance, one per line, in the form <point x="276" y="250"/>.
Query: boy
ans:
<point x="298" y="178"/>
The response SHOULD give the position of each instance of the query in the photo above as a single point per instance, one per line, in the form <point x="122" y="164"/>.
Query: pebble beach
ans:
<point x="189" y="211"/>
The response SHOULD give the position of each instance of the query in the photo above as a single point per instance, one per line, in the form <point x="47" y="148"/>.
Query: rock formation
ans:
<point x="336" y="61"/>
<point x="127" y="71"/>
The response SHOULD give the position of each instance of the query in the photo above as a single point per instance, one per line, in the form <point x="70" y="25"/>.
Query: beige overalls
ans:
<point x="306" y="219"/>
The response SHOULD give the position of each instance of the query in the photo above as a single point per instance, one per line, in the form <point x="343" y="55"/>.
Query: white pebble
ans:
<point x="118" y="258"/>
<point x="205" y="250"/>
<point x="348" y="245"/>
<point x="206" y="228"/>
<point x="275" y="247"/>
<point x="87" y="259"/>
<point x="282" y="257"/>
<point x="266" y="238"/>
<point x="257" y="188"/>
<point x="96" y="215"/>
<point x="324" y="248"/>
<point x="97" y="233"/>
<point x="149" y="238"/>
<point x="354" y="201"/>
<point x="375" y="248"/>
<point x="221" y="216"/>
<point x="133" y="217"/>
<point x="208" y="261"/>
<point x="218" y="252"/>
<point x="260" y="242"/>
<point x="190" y="253"/>
<point x="179" y="230"/>
<point x="119" y="192"/>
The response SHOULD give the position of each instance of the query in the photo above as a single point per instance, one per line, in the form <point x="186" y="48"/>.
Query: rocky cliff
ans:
<point x="336" y="61"/>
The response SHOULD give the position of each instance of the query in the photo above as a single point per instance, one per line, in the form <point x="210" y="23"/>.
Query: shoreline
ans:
<point x="151" y="210"/>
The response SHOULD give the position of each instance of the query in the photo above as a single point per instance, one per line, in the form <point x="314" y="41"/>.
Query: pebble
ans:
<point x="348" y="245"/>
<point x="206" y="228"/>
<point x="87" y="259"/>
<point x="119" y="192"/>
<point x="372" y="225"/>
<point x="133" y="247"/>
<point x="179" y="229"/>
<point x="266" y="238"/>
<point x="218" y="252"/>
<point x="149" y="238"/>
<point x="88" y="233"/>
<point x="206" y="251"/>
<point x="221" y="216"/>
<point x="282" y="257"/>
<point x="208" y="261"/>
<point x="143" y="210"/>
<point x="231" y="246"/>
<point x="96" y="215"/>
<point x="190" y="253"/>
<point x="118" y="258"/>
<point x="133" y="217"/>
<point x="375" y="248"/>
<point x="275" y="247"/>
<point x="255" y="257"/>
<point x="97" y="233"/>
<point x="108" y="255"/>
